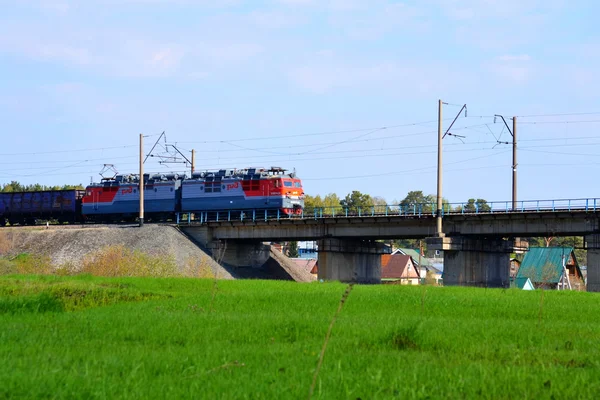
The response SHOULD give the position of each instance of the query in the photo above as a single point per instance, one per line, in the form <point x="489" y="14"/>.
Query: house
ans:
<point x="307" y="264"/>
<point x="552" y="268"/>
<point x="308" y="249"/>
<point x="523" y="283"/>
<point x="422" y="263"/>
<point x="399" y="268"/>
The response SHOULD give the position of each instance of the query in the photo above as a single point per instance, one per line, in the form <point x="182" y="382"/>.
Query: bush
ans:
<point x="121" y="261"/>
<point x="7" y="267"/>
<point x="26" y="263"/>
<point x="198" y="268"/>
<point x="6" y="243"/>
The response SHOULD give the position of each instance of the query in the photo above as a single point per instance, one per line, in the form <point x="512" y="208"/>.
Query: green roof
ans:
<point x="415" y="256"/>
<point x="521" y="281"/>
<point x="545" y="264"/>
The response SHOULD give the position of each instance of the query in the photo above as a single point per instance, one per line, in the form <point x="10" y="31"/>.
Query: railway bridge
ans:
<point x="477" y="243"/>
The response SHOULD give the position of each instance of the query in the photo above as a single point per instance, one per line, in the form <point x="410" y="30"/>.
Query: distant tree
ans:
<point x="414" y="244"/>
<point x="430" y="278"/>
<point x="419" y="202"/>
<point x="72" y="187"/>
<point x="15" y="186"/>
<point x="379" y="203"/>
<point x="293" y="250"/>
<point x="357" y="200"/>
<point x="477" y="205"/>
<point x="312" y="202"/>
<point x="331" y="202"/>
<point x="416" y="200"/>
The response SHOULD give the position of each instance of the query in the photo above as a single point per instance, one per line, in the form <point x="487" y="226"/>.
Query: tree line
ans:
<point x="15" y="186"/>
<point x="356" y="200"/>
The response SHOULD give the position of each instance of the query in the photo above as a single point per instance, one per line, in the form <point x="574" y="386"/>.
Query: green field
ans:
<point x="86" y="337"/>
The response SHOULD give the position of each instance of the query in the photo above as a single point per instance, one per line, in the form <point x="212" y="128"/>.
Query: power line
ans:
<point x="561" y="153"/>
<point x="559" y="122"/>
<point x="378" y="149"/>
<point x="558" y="115"/>
<point x="331" y="144"/>
<point x="399" y="172"/>
<point x="381" y="152"/>
<point x="66" y="151"/>
<point x="314" y="133"/>
<point x="62" y="161"/>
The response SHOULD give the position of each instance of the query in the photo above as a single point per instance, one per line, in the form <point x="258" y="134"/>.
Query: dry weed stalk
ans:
<point x="6" y="243"/>
<point x="327" y="336"/>
<point x="218" y="256"/>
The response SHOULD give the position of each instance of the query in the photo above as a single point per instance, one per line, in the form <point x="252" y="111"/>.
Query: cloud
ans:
<point x="509" y="58"/>
<point x="272" y="20"/>
<point x="120" y="52"/>
<point x="379" y="19"/>
<point x="512" y="68"/>
<point x="384" y="77"/>
<point x="56" y="6"/>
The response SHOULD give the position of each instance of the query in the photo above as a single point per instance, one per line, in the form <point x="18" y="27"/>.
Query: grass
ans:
<point x="88" y="337"/>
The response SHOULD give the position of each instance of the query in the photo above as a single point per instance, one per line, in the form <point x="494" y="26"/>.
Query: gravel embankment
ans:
<point x="70" y="244"/>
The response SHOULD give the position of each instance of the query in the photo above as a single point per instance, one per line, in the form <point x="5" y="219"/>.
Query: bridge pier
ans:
<point x="240" y="254"/>
<point x="348" y="260"/>
<point x="592" y="243"/>
<point x="476" y="262"/>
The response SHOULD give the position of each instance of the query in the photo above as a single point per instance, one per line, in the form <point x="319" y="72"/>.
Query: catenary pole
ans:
<point x="141" y="180"/>
<point x="193" y="160"/>
<point x="438" y="226"/>
<point x="514" y="166"/>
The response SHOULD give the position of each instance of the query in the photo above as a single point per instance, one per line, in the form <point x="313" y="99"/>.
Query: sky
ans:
<point x="344" y="92"/>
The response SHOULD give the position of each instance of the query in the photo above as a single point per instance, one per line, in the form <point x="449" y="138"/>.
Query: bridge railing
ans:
<point x="407" y="210"/>
<point x="590" y="205"/>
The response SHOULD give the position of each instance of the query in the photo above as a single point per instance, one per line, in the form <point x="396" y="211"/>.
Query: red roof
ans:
<point x="308" y="264"/>
<point x="394" y="266"/>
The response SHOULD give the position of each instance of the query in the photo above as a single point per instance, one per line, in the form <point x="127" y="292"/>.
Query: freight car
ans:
<point x="24" y="208"/>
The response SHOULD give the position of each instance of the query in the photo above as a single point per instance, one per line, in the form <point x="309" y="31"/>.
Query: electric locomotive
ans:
<point x="273" y="191"/>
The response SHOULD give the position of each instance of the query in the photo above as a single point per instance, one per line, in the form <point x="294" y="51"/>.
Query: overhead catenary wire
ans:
<point x="468" y="147"/>
<point x="398" y="172"/>
<point x="65" y="151"/>
<point x="314" y="150"/>
<point x="559" y="114"/>
<point x="560" y="122"/>
<point x="111" y="158"/>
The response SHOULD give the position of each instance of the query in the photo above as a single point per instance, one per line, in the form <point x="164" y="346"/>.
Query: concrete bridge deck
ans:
<point x="476" y="247"/>
<point x="518" y="224"/>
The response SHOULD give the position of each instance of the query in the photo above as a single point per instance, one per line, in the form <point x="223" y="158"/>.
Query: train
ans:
<point x="270" y="191"/>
